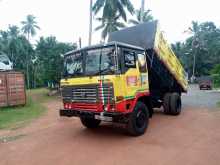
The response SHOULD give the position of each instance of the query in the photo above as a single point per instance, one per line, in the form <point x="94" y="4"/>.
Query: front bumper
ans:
<point x="105" y="116"/>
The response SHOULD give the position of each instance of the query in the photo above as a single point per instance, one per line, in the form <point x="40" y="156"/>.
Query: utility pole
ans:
<point x="142" y="10"/>
<point x="195" y="45"/>
<point x="90" y="23"/>
<point x="194" y="66"/>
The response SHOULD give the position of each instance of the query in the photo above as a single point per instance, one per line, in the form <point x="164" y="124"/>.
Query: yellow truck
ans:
<point x="124" y="80"/>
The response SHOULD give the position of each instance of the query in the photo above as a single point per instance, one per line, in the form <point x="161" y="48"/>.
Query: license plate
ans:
<point x="103" y="118"/>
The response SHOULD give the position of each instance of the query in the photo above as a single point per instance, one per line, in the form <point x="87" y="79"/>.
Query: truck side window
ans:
<point x="129" y="59"/>
<point x="142" y="63"/>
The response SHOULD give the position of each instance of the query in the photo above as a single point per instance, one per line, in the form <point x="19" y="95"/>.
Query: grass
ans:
<point x="15" y="117"/>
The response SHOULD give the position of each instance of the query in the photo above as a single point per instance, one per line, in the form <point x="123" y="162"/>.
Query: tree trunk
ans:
<point x="142" y="10"/>
<point x="90" y="24"/>
<point x="27" y="66"/>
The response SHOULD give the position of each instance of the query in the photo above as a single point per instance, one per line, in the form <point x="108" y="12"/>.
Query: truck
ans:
<point x="124" y="80"/>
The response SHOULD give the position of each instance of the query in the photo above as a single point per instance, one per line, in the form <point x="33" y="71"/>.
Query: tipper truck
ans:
<point x="124" y="80"/>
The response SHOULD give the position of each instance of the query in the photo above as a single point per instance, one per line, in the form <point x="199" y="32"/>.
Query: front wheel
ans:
<point x="138" y="120"/>
<point x="90" y="122"/>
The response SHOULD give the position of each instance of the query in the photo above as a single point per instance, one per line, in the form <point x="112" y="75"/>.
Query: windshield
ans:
<point x="73" y="64"/>
<point x="100" y="61"/>
<point x="91" y="62"/>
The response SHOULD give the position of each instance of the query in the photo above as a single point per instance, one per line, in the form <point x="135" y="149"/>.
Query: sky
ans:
<point x="69" y="19"/>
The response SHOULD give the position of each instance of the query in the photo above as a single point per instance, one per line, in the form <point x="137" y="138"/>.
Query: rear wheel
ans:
<point x="166" y="103"/>
<point x="139" y="119"/>
<point x="172" y="104"/>
<point x="175" y="104"/>
<point x="90" y="122"/>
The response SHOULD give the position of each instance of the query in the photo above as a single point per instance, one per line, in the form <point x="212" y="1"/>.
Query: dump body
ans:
<point x="12" y="89"/>
<point x="164" y="67"/>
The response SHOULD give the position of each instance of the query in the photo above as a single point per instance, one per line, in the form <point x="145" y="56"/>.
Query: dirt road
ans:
<point x="191" y="138"/>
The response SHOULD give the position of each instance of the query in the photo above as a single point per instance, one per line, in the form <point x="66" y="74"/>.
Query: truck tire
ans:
<point x="175" y="104"/>
<point x="166" y="103"/>
<point x="90" y="122"/>
<point x="138" y="120"/>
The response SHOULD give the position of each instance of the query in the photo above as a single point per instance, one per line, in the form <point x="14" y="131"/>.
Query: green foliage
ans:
<point x="218" y="104"/>
<point x="204" y="44"/>
<point x="15" y="117"/>
<point x="109" y="25"/>
<point x="112" y="11"/>
<point x="42" y="64"/>
<point x="16" y="46"/>
<point x="111" y="8"/>
<point x="147" y="17"/>
<point x="29" y="28"/>
<point x="216" y="75"/>
<point x="48" y="66"/>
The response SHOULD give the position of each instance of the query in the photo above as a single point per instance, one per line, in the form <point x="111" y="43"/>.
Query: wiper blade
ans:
<point x="104" y="70"/>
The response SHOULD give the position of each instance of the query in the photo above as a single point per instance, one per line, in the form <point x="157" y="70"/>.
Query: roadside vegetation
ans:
<point x="216" y="75"/>
<point x="15" y="117"/>
<point x="41" y="62"/>
<point x="203" y="47"/>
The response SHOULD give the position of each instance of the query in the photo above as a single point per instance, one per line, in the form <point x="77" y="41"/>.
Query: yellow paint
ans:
<point x="121" y="87"/>
<point x="170" y="60"/>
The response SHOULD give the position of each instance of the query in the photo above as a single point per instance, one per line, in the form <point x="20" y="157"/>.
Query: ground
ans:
<point x="191" y="138"/>
<point x="15" y="117"/>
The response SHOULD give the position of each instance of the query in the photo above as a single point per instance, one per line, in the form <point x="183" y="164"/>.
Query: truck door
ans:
<point x="130" y="72"/>
<point x="143" y="76"/>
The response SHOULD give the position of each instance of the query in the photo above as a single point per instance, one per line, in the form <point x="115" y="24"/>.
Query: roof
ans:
<point x="142" y="35"/>
<point x="104" y="45"/>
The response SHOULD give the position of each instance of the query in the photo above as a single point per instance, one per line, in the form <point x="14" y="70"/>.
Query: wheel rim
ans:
<point x="140" y="119"/>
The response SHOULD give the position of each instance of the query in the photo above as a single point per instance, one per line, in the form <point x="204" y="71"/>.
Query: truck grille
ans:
<point x="88" y="93"/>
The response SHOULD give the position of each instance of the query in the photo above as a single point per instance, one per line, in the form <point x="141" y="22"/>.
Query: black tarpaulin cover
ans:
<point x="142" y="35"/>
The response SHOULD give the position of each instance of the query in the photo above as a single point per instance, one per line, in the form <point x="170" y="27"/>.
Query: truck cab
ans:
<point x="105" y="82"/>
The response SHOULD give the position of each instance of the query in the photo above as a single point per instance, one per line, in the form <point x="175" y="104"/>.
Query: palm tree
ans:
<point x="194" y="29"/>
<point x="13" y="42"/>
<point x="109" y="25"/>
<point x="29" y="28"/>
<point x="13" y="31"/>
<point x="147" y="17"/>
<point x="113" y="7"/>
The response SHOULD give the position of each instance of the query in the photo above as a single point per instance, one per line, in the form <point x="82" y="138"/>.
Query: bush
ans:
<point x="216" y="75"/>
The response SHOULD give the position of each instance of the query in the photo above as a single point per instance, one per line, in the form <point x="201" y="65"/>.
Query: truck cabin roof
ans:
<point x="119" y="44"/>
